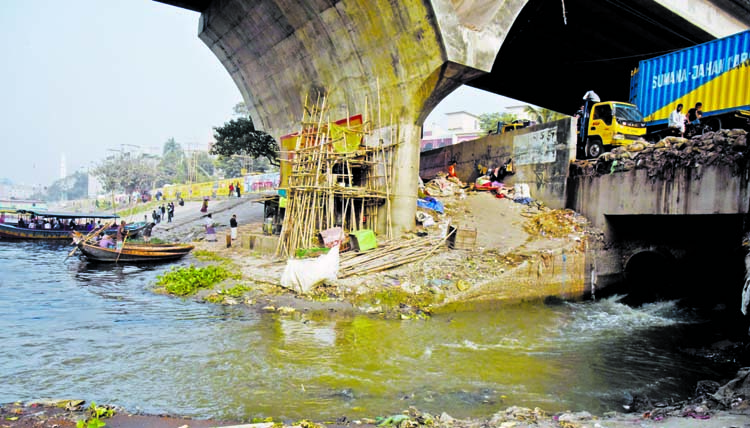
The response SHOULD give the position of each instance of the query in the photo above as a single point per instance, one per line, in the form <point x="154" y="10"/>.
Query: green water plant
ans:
<point x="95" y="414"/>
<point x="185" y="281"/>
<point x="210" y="256"/>
<point x="236" y="292"/>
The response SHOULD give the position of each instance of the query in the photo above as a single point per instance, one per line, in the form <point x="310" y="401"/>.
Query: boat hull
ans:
<point x="8" y="231"/>
<point x="134" y="254"/>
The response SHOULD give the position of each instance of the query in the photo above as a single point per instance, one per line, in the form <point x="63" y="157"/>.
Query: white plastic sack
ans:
<point x="302" y="275"/>
<point x="522" y="191"/>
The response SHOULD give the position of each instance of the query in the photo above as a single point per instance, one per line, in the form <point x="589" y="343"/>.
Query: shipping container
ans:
<point x="716" y="73"/>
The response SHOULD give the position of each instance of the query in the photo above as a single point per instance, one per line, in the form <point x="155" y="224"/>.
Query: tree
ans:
<point x="172" y="168"/>
<point x="543" y="115"/>
<point x="230" y="165"/>
<point x="488" y="121"/>
<point x="74" y="186"/>
<point x="239" y="137"/>
<point x="240" y="109"/>
<point x="127" y="172"/>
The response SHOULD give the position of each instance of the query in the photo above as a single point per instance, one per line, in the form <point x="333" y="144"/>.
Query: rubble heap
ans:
<point x="724" y="147"/>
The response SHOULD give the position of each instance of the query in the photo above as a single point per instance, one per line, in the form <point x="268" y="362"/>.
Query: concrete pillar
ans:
<point x="405" y="178"/>
<point x="400" y="59"/>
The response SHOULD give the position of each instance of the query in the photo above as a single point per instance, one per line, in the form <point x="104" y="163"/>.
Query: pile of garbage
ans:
<point x="724" y="147"/>
<point x="555" y="223"/>
<point x="441" y="185"/>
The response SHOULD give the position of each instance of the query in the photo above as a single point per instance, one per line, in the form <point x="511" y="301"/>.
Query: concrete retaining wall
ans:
<point x="541" y="155"/>
<point x="716" y="189"/>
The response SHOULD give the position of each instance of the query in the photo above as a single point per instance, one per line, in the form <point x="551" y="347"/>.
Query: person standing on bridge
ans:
<point x="677" y="120"/>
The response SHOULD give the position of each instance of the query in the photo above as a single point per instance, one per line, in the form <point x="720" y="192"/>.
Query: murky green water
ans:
<point x="72" y="329"/>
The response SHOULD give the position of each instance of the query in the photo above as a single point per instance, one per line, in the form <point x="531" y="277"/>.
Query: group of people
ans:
<point x="161" y="212"/>
<point x="679" y="121"/>
<point x="56" y="224"/>
<point x="209" y="226"/>
<point x="234" y="188"/>
<point x="106" y="240"/>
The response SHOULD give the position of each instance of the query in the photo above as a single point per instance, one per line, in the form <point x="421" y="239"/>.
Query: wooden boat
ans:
<point x="134" y="253"/>
<point x="14" y="231"/>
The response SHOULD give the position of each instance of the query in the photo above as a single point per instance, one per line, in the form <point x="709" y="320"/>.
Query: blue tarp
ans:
<point x="431" y="203"/>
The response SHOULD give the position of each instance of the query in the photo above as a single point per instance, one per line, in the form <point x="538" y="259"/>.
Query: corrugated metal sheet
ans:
<point x="716" y="73"/>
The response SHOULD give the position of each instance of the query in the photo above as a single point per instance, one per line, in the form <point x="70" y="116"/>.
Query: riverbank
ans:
<point x="523" y="252"/>
<point x="441" y="273"/>
<point x="68" y="413"/>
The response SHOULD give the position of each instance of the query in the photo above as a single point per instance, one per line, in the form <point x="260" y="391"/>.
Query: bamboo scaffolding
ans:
<point x="322" y="174"/>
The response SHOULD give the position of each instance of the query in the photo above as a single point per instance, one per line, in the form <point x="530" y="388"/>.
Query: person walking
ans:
<point x="204" y="206"/>
<point x="231" y="190"/>
<point x="210" y="230"/>
<point x="237" y="188"/>
<point x="163" y="211"/>
<point x="170" y="212"/>
<point x="233" y="226"/>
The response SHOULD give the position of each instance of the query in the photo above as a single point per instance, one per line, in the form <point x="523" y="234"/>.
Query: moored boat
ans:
<point x="21" y="230"/>
<point x="134" y="253"/>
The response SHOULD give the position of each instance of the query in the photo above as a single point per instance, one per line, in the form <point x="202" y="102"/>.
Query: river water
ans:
<point x="97" y="332"/>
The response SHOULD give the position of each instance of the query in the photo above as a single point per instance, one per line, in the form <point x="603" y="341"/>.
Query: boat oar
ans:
<point x="120" y="250"/>
<point x="91" y="235"/>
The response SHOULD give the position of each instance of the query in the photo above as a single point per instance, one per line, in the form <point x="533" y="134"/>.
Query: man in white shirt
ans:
<point x="677" y="120"/>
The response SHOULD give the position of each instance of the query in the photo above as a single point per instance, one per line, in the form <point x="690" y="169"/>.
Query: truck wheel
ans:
<point x="594" y="149"/>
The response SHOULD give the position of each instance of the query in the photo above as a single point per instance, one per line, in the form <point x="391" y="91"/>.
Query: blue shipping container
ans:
<point x="716" y="73"/>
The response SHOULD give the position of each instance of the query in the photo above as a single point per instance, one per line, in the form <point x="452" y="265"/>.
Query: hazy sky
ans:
<point x="79" y="77"/>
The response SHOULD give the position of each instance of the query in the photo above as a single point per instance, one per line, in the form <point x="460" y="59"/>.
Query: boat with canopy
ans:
<point x="43" y="224"/>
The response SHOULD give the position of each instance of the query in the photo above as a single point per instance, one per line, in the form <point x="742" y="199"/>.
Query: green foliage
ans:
<point x="543" y="115"/>
<point x="95" y="414"/>
<point x="206" y="255"/>
<point x="172" y="168"/>
<point x="74" y="186"/>
<point x="235" y="292"/>
<point x="240" y="109"/>
<point x="231" y="165"/>
<point x="127" y="171"/>
<point x="187" y="280"/>
<point x="239" y="137"/>
<point x="488" y="121"/>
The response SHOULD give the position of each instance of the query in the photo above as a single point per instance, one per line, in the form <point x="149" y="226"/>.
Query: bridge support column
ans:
<point x="405" y="177"/>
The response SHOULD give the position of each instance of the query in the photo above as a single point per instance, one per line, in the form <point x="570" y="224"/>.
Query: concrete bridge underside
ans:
<point x="410" y="54"/>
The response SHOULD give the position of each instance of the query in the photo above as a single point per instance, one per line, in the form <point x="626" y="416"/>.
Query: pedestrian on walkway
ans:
<point x="237" y="188"/>
<point x="231" y="190"/>
<point x="233" y="226"/>
<point x="210" y="230"/>
<point x="170" y="212"/>
<point x="147" y="231"/>
<point x="204" y="207"/>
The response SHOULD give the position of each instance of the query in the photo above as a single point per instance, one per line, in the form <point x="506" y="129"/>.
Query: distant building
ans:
<point x="458" y="127"/>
